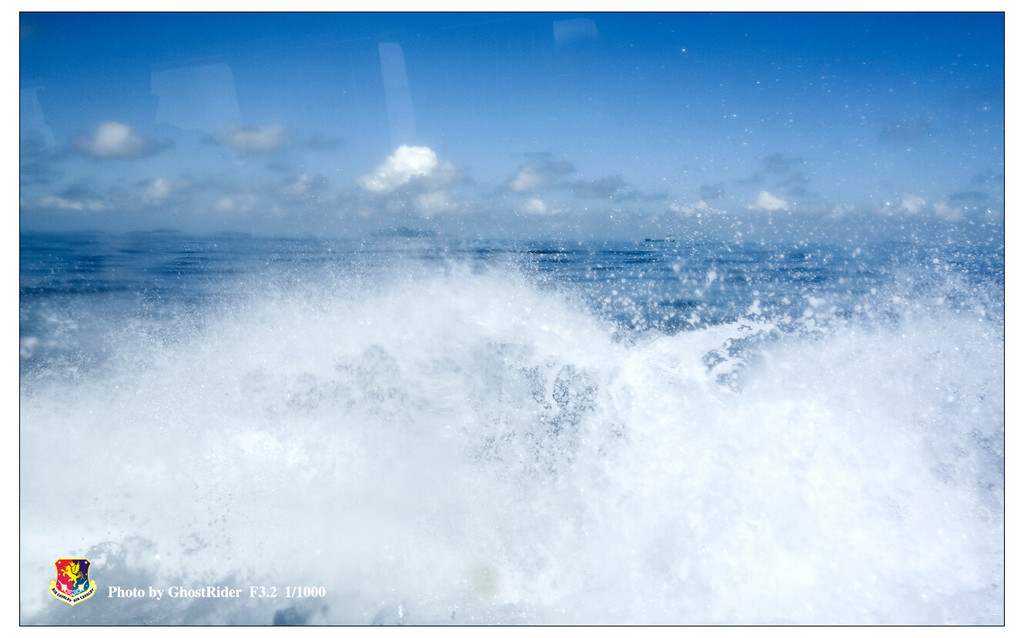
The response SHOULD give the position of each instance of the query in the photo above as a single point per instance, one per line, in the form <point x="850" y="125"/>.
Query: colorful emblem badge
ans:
<point x="72" y="584"/>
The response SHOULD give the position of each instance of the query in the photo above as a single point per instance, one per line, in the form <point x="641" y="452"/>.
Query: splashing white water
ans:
<point x="464" y="447"/>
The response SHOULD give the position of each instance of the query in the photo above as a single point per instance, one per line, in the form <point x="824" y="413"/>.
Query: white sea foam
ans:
<point x="465" y="447"/>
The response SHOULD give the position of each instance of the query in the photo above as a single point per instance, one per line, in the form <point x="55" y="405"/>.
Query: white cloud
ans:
<point x="841" y="210"/>
<point x="412" y="178"/>
<point x="303" y="185"/>
<point x="533" y="206"/>
<point x="540" y="172"/>
<point x="157" y="191"/>
<point x="236" y="203"/>
<point x="948" y="212"/>
<point x="299" y="186"/>
<point x="63" y="203"/>
<point x="428" y="204"/>
<point x="405" y="164"/>
<point x="527" y="179"/>
<point x="255" y="138"/>
<point x="699" y="208"/>
<point x="913" y="203"/>
<point x="115" y="140"/>
<point x="767" y="201"/>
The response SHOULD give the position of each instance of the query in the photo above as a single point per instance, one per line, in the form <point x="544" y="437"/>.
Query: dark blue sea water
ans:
<point x="447" y="431"/>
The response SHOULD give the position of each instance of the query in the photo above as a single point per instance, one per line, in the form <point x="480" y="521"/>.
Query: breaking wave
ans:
<point x="464" y="445"/>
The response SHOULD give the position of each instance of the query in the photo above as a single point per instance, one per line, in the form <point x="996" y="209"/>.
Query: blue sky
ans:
<point x="545" y="124"/>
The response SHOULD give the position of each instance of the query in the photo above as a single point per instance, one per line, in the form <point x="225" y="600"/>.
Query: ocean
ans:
<point x="416" y="429"/>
